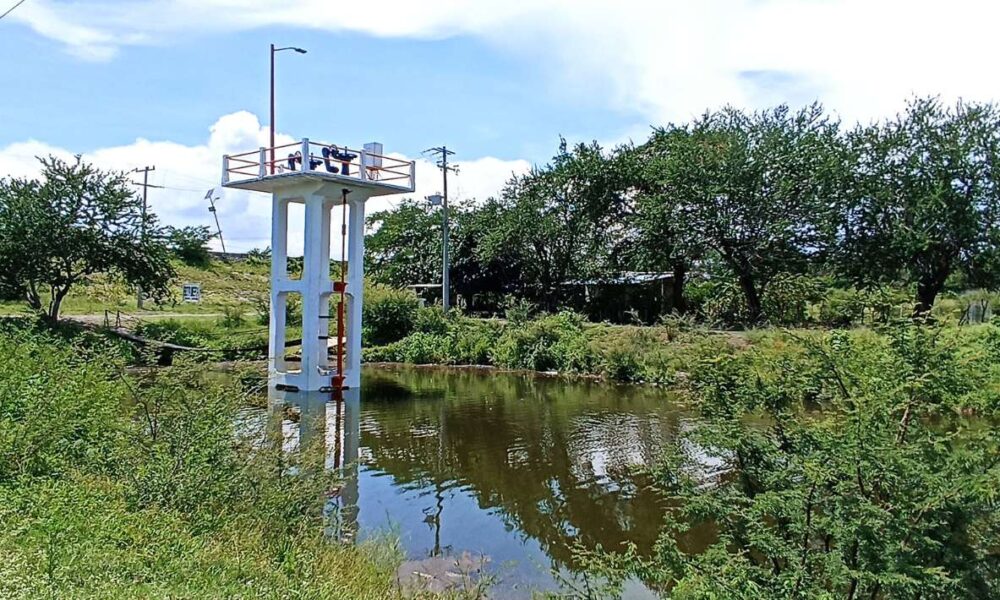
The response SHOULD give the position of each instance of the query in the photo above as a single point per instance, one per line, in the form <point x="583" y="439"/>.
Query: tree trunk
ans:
<point x="34" y="300"/>
<point x="56" y="303"/>
<point x="927" y="291"/>
<point x="680" y="273"/>
<point x="752" y="296"/>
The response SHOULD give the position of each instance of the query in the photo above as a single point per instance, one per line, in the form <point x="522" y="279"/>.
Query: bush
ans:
<point x="174" y="331"/>
<point x="387" y="315"/>
<point x="842" y="308"/>
<point x="834" y="465"/>
<point x="471" y="341"/>
<point x="232" y="317"/>
<point x="554" y="342"/>
<point x="430" y="319"/>
<point x="116" y="487"/>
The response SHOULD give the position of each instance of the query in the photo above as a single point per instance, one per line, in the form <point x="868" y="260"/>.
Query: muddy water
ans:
<point x="504" y="471"/>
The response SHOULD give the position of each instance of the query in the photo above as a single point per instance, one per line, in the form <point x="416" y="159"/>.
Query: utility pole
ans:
<point x="142" y="224"/>
<point x="442" y="152"/>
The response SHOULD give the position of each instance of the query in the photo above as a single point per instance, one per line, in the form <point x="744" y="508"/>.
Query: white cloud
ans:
<point x="664" y="60"/>
<point x="187" y="172"/>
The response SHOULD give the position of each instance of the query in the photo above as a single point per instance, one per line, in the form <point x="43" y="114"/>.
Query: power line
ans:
<point x="11" y="9"/>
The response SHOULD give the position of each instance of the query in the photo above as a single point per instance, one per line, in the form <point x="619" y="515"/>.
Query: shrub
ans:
<point x="842" y="308"/>
<point x="114" y="487"/>
<point x="430" y="319"/>
<point x="232" y="317"/>
<point x="387" y="314"/>
<point x="518" y="310"/>
<point x="174" y="331"/>
<point x="553" y="342"/>
<point x="472" y="341"/>
<point x="833" y="465"/>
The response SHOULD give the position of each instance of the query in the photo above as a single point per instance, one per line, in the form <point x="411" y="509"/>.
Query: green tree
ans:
<point x="190" y="244"/>
<point x="560" y="220"/>
<point x="656" y="240"/>
<point x="74" y="222"/>
<point x="477" y="267"/>
<point x="927" y="202"/>
<point x="403" y="245"/>
<point x="751" y="187"/>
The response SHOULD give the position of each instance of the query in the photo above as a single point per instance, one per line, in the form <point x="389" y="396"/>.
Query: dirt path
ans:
<point x="98" y="319"/>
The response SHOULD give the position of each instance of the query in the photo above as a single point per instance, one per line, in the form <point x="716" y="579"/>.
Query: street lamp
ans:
<point x="442" y="201"/>
<point x="273" y="50"/>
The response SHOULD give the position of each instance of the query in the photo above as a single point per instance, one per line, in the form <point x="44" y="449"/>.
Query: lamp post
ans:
<point x="273" y="50"/>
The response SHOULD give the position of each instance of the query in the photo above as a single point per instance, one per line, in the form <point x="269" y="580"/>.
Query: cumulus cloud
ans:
<point x="662" y="60"/>
<point x="185" y="173"/>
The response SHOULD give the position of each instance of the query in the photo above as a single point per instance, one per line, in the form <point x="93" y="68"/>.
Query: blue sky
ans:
<point x="416" y="93"/>
<point x="176" y="83"/>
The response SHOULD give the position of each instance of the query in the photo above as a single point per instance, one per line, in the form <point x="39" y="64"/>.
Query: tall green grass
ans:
<point x="119" y="485"/>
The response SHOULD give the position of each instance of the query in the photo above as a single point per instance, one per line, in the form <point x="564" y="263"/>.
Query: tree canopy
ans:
<point x="755" y="203"/>
<point x="74" y="222"/>
<point x="926" y="201"/>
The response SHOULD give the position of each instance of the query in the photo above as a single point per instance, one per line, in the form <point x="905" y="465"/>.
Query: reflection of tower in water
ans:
<point x="336" y="423"/>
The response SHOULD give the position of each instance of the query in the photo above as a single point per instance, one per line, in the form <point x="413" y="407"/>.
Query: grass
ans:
<point x="119" y="483"/>
<point x="224" y="285"/>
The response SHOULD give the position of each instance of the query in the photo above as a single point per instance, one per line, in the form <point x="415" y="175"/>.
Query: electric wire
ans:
<point x="11" y="9"/>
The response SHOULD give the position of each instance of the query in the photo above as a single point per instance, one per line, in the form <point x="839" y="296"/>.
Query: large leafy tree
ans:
<point x="190" y="244"/>
<point x="476" y="268"/>
<point x="927" y="203"/>
<point x="404" y="244"/>
<point x="74" y="222"/>
<point x="561" y="220"/>
<point x="656" y="239"/>
<point x="753" y="188"/>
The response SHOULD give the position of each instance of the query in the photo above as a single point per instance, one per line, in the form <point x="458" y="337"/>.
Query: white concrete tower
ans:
<point x="323" y="178"/>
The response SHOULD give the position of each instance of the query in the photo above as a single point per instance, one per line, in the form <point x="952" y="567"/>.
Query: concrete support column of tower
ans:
<point x="316" y="289"/>
<point x="355" y="287"/>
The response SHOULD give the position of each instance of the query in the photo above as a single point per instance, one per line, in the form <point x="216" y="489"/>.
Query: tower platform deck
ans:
<point x="367" y="168"/>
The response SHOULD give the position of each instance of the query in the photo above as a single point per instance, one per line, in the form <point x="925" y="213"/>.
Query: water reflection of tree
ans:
<point x="552" y="456"/>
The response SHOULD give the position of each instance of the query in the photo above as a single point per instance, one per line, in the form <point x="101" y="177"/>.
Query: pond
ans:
<point x="506" y="471"/>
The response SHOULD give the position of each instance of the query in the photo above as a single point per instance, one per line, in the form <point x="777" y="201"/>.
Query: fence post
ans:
<point x="262" y="172"/>
<point x="363" y="167"/>
<point x="225" y="169"/>
<point x="413" y="175"/>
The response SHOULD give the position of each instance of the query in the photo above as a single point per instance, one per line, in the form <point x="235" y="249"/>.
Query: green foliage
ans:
<point x="261" y="257"/>
<point x="190" y="244"/>
<point x="44" y="430"/>
<point x="148" y="486"/>
<point x="74" y="223"/>
<point x="926" y="199"/>
<point x="232" y="317"/>
<point x="430" y="319"/>
<point x="550" y="343"/>
<point x="837" y="465"/>
<point x="175" y="331"/>
<point x="405" y="244"/>
<point x="387" y="315"/>
<point x="518" y="310"/>
<point x="750" y="188"/>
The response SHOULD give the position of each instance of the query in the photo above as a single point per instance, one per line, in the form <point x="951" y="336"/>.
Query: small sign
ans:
<point x="192" y="292"/>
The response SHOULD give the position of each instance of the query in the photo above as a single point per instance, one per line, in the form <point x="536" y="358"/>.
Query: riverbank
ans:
<point x="665" y="355"/>
<point x="125" y="483"/>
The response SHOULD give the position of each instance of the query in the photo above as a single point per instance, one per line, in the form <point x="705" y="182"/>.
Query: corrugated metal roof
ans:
<point x="625" y="278"/>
